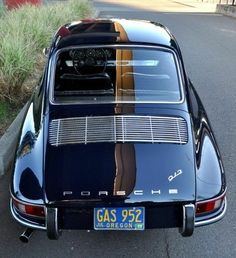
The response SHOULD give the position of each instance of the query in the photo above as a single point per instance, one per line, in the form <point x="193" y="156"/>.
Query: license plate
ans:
<point x="130" y="218"/>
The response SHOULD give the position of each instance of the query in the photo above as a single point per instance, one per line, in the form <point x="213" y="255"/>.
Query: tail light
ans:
<point x="209" y="205"/>
<point x="33" y="210"/>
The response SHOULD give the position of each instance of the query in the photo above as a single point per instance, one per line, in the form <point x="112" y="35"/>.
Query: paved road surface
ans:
<point x="208" y="42"/>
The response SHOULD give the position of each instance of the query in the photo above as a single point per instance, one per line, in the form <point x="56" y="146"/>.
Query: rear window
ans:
<point x="116" y="74"/>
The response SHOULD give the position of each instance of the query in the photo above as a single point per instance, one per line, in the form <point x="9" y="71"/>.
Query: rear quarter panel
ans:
<point x="210" y="175"/>
<point x="27" y="172"/>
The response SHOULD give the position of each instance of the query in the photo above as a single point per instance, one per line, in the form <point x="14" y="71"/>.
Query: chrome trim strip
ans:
<point x="214" y="219"/>
<point x="52" y="68"/>
<point x="128" y="128"/>
<point x="56" y="219"/>
<point x="25" y="202"/>
<point x="56" y="222"/>
<point x="212" y="199"/>
<point x="23" y="221"/>
<point x="184" y="221"/>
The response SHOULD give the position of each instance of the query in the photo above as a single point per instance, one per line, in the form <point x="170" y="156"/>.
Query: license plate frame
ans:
<point x="114" y="218"/>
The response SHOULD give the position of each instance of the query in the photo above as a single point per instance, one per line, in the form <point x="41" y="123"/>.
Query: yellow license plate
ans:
<point x="125" y="218"/>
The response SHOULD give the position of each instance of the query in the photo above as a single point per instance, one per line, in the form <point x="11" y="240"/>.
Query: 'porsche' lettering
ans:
<point x="102" y="193"/>
<point x="173" y="191"/>
<point x="123" y="193"/>
<point x="85" y="193"/>
<point x="67" y="193"/>
<point x="156" y="191"/>
<point x="138" y="192"/>
<point x="120" y="193"/>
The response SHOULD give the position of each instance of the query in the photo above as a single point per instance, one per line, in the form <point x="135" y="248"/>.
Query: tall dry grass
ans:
<point x="24" y="32"/>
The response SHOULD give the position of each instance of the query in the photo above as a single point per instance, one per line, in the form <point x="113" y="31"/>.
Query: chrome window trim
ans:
<point x="52" y="68"/>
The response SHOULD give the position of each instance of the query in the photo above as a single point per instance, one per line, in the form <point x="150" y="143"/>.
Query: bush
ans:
<point x="24" y="33"/>
<point x="2" y="10"/>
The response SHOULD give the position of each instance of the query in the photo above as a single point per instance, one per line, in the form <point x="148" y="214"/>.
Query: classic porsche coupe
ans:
<point x="115" y="136"/>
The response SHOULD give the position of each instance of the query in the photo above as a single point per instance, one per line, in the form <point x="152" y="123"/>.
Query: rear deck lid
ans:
<point x="129" y="158"/>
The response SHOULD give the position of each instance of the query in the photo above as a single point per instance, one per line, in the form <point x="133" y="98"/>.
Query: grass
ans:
<point x="2" y="10"/>
<point x="24" y="32"/>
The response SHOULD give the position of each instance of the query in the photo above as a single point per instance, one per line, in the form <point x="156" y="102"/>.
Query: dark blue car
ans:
<point x="115" y="136"/>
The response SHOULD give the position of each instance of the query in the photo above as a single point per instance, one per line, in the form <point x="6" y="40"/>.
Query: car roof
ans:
<point x="111" y="31"/>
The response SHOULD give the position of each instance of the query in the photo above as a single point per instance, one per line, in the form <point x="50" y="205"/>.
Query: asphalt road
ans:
<point x="208" y="42"/>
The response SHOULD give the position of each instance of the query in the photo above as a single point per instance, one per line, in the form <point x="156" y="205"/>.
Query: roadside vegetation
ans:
<point x="2" y="10"/>
<point x="24" y="32"/>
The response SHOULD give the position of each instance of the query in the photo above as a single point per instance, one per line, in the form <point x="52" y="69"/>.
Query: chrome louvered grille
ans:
<point x="150" y="129"/>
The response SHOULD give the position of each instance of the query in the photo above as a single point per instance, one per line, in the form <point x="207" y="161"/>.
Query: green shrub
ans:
<point x="2" y="10"/>
<point x="24" y="32"/>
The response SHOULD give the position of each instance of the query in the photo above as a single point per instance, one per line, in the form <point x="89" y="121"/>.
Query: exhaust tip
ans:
<point x="25" y="236"/>
<point x="24" y="239"/>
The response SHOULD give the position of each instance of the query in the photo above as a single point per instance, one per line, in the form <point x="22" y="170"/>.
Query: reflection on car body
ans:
<point x="115" y="136"/>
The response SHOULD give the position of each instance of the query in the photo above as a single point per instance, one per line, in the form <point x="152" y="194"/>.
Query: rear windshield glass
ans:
<point x="105" y="75"/>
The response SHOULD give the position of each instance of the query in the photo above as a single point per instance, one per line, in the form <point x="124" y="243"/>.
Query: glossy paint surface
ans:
<point x="128" y="173"/>
<point x="113" y="31"/>
<point x="210" y="173"/>
<point x="138" y="172"/>
<point x="27" y="180"/>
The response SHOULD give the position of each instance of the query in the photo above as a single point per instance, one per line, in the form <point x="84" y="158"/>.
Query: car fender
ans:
<point x="210" y="175"/>
<point x="27" y="176"/>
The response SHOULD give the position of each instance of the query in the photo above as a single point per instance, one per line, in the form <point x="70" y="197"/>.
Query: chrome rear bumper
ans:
<point x="199" y="221"/>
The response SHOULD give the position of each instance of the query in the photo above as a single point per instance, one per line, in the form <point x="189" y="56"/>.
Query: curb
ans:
<point x="8" y="142"/>
<point x="228" y="10"/>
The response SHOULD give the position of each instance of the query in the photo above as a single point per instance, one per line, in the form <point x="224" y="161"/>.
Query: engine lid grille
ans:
<point x="118" y="129"/>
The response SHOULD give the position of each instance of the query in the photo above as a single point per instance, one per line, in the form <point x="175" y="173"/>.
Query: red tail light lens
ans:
<point x="29" y="209"/>
<point x="210" y="205"/>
